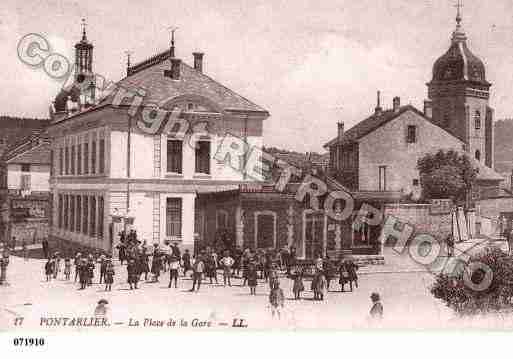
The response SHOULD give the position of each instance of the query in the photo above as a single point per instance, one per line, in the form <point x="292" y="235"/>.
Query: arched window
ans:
<point x="477" y="120"/>
<point x="478" y="155"/>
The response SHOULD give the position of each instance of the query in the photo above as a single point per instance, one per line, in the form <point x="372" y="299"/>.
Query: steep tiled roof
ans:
<point x="160" y="88"/>
<point x="33" y="149"/>
<point x="372" y="123"/>
<point x="14" y="129"/>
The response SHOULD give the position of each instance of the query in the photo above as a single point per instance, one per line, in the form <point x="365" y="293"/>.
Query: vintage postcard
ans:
<point x="253" y="165"/>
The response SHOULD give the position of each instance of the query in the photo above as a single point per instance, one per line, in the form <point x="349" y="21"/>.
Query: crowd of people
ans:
<point x="250" y="267"/>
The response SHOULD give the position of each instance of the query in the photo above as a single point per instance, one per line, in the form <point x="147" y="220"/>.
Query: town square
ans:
<point x="176" y="176"/>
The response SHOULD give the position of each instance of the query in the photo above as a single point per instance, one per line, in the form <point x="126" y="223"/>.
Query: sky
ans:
<point x="310" y="63"/>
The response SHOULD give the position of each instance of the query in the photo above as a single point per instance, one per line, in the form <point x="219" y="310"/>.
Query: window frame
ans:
<point x="169" y="154"/>
<point x="198" y="162"/>
<point x="101" y="159"/>
<point x="477" y="120"/>
<point x="411" y="136"/>
<point x="171" y="231"/>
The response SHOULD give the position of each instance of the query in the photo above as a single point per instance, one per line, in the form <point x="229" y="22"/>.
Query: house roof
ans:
<point x="33" y="149"/>
<point x="486" y="173"/>
<point x="372" y="123"/>
<point x="149" y="76"/>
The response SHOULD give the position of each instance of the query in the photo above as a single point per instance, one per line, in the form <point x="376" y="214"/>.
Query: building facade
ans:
<point x="380" y="153"/>
<point x="110" y="171"/>
<point x="24" y="190"/>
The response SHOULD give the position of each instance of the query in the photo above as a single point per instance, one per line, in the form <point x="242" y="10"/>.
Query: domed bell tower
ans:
<point x="459" y="95"/>
<point x="84" y="76"/>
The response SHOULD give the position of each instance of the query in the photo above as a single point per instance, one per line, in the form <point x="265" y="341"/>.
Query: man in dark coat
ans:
<point x="133" y="273"/>
<point x="83" y="273"/>
<point x="176" y="250"/>
<point x="156" y="264"/>
<point x="186" y="259"/>
<point x="121" y="252"/>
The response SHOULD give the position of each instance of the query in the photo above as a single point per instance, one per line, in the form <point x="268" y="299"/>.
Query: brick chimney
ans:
<point x="174" y="72"/>
<point x="198" y="61"/>
<point x="428" y="108"/>
<point x="340" y="133"/>
<point x="396" y="103"/>
<point x="378" y="109"/>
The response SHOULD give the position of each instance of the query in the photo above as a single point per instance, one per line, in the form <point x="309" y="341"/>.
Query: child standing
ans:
<point x="57" y="264"/>
<point x="90" y="270"/>
<point x="49" y="269"/>
<point x="319" y="285"/>
<point x="133" y="274"/>
<point x="101" y="309"/>
<point x="298" y="285"/>
<point x="78" y="258"/>
<point x="67" y="268"/>
<point x="24" y="250"/>
<point x="273" y="276"/>
<point x="103" y="267"/>
<point x="252" y="278"/>
<point x="186" y="259"/>
<point x="227" y="263"/>
<point x="174" y="266"/>
<point x="277" y="300"/>
<point x="83" y="273"/>
<point x="376" y="311"/>
<point x="109" y="274"/>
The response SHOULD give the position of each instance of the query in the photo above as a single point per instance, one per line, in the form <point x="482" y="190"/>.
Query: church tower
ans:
<point x="459" y="95"/>
<point x="82" y="91"/>
<point x="84" y="76"/>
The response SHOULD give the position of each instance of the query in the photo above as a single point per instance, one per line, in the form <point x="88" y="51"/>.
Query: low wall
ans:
<point x="420" y="216"/>
<point x="493" y="207"/>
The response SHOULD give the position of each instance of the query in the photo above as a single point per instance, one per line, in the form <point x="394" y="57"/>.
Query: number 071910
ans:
<point x="28" y="342"/>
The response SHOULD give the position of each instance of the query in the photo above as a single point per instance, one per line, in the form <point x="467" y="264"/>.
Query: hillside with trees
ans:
<point x="503" y="146"/>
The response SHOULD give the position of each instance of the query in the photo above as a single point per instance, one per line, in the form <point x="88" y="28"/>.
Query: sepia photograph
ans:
<point x="236" y="166"/>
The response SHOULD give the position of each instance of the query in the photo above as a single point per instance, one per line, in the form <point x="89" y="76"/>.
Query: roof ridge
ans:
<point x="149" y="62"/>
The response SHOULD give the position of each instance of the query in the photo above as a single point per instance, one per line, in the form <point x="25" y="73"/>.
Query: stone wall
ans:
<point x="492" y="208"/>
<point x="421" y="218"/>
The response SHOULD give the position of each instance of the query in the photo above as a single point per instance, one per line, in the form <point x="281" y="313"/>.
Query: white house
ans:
<point x="110" y="168"/>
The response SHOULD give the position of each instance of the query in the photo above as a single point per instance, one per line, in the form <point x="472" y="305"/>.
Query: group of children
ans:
<point x="84" y="269"/>
<point x="208" y="264"/>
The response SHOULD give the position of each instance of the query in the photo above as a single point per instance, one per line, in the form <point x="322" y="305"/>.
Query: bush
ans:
<point x="446" y="174"/>
<point x="463" y="299"/>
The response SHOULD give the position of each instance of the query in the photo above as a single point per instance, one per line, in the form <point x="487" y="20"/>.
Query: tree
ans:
<point x="446" y="174"/>
<point x="485" y="293"/>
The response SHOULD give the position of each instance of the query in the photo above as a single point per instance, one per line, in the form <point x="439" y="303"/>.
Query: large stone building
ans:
<point x="109" y="171"/>
<point x="381" y="152"/>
